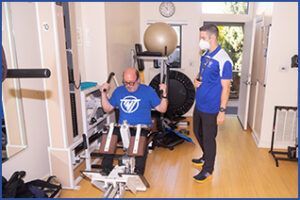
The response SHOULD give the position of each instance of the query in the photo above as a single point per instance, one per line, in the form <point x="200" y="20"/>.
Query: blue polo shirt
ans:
<point x="214" y="67"/>
<point x="135" y="107"/>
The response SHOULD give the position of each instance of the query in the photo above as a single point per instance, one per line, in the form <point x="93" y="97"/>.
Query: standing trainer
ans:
<point x="212" y="93"/>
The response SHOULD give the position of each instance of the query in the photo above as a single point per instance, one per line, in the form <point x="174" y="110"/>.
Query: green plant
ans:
<point x="231" y="39"/>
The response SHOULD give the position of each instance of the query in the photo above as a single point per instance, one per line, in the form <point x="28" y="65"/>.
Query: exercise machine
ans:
<point x="284" y="132"/>
<point x="123" y="176"/>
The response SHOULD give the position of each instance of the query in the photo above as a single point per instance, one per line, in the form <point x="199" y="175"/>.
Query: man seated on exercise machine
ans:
<point x="134" y="101"/>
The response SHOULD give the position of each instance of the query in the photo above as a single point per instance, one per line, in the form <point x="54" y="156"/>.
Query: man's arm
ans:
<point x="224" y="99"/>
<point x="107" y="107"/>
<point x="162" y="107"/>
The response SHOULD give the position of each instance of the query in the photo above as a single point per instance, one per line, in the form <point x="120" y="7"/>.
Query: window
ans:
<point x="225" y="7"/>
<point x="174" y="60"/>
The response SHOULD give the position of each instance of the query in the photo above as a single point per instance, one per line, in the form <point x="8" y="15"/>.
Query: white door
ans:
<point x="244" y="94"/>
<point x="260" y="76"/>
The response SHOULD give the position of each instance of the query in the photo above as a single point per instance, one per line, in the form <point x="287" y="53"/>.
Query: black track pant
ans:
<point x="205" y="130"/>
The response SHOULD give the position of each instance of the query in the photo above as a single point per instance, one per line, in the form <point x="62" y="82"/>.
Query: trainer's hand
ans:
<point x="163" y="87"/>
<point x="197" y="83"/>
<point x="221" y="118"/>
<point x="104" y="87"/>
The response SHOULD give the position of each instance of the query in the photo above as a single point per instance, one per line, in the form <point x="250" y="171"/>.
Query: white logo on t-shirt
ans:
<point x="129" y="104"/>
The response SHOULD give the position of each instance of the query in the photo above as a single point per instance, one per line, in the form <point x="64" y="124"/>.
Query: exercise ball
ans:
<point x="159" y="36"/>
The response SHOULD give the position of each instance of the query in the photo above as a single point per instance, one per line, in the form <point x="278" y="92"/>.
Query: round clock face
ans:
<point x="167" y="9"/>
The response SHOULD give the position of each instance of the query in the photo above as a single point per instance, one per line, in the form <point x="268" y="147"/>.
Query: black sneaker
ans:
<point x="198" y="162"/>
<point x="202" y="177"/>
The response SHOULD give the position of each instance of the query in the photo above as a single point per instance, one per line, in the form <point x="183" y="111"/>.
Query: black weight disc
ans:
<point x="181" y="93"/>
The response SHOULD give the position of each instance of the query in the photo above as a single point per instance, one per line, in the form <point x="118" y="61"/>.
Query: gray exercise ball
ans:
<point x="158" y="36"/>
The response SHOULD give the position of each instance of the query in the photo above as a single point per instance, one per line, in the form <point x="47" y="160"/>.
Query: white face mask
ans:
<point x="204" y="45"/>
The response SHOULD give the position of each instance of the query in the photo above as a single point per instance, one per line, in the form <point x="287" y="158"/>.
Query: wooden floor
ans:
<point x="241" y="170"/>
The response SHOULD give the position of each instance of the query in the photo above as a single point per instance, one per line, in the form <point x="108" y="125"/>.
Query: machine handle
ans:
<point x="28" y="73"/>
<point x="163" y="81"/>
<point x="109" y="79"/>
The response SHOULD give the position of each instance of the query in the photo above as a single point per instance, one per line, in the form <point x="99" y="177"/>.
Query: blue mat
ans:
<point x="186" y="138"/>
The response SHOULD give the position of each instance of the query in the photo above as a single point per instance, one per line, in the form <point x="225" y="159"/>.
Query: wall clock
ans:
<point x="167" y="9"/>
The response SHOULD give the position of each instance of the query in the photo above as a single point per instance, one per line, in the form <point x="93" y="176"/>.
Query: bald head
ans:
<point x="131" y="78"/>
<point x="130" y="73"/>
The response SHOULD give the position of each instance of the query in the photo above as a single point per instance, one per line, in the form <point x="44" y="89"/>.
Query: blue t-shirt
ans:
<point x="135" y="107"/>
<point x="214" y="66"/>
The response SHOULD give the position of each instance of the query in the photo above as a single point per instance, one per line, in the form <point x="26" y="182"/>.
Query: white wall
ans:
<point x="92" y="41"/>
<point x="34" y="159"/>
<point x="281" y="86"/>
<point x="106" y="32"/>
<point x="264" y="8"/>
<point x="122" y="32"/>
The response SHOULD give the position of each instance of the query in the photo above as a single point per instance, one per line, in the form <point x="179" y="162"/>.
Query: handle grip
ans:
<point x="28" y="73"/>
<point x="109" y="79"/>
<point x="163" y="81"/>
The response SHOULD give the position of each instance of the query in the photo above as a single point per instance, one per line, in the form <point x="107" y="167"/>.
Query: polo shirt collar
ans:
<point x="212" y="54"/>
